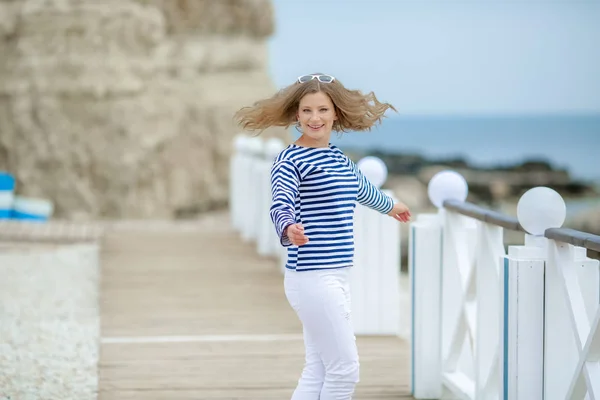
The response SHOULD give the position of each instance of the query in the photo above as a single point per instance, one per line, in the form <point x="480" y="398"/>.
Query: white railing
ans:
<point x="490" y="324"/>
<point x="375" y="278"/>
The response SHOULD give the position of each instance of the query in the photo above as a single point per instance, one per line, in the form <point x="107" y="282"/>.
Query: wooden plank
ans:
<point x="242" y="340"/>
<point x="190" y="283"/>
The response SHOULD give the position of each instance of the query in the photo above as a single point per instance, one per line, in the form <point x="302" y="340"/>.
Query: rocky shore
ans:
<point x="496" y="188"/>
<point x="490" y="186"/>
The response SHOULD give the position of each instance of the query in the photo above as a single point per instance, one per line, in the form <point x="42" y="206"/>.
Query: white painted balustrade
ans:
<point x="487" y="323"/>
<point x="375" y="277"/>
<point x="376" y="273"/>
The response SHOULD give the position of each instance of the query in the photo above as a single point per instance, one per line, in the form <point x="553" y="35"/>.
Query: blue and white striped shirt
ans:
<point x="319" y="188"/>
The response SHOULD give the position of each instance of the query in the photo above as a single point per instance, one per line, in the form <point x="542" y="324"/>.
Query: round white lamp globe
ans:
<point x="240" y="142"/>
<point x="541" y="208"/>
<point x="255" y="145"/>
<point x="273" y="147"/>
<point x="447" y="185"/>
<point x="374" y="169"/>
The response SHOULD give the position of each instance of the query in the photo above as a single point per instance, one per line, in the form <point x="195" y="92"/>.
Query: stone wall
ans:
<point x="123" y="108"/>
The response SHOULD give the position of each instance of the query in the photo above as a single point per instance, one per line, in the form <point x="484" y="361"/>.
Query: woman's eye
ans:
<point x="324" y="110"/>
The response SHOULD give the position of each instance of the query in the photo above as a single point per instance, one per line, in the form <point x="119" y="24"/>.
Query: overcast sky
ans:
<point x="447" y="57"/>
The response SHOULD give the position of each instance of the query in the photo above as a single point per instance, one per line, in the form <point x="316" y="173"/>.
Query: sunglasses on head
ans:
<point x="320" y="77"/>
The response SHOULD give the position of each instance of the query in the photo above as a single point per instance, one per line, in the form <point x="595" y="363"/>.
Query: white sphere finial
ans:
<point x="447" y="185"/>
<point x="255" y="146"/>
<point x="273" y="147"/>
<point x="541" y="208"/>
<point x="374" y="169"/>
<point x="239" y="142"/>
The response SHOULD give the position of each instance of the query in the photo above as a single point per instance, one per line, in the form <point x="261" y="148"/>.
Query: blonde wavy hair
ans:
<point x="355" y="111"/>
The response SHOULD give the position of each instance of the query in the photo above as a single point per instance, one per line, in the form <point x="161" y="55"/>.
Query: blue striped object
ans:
<point x="319" y="187"/>
<point x="32" y="209"/>
<point x="7" y="189"/>
<point x="5" y="212"/>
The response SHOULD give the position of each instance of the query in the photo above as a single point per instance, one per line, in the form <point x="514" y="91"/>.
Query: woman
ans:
<point x="315" y="188"/>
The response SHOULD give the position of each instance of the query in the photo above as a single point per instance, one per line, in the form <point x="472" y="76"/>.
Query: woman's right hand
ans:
<point x="295" y="233"/>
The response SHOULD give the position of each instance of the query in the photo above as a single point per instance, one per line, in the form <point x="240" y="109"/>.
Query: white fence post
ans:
<point x="459" y="299"/>
<point x="250" y="194"/>
<point x="267" y="240"/>
<point x="521" y="358"/>
<point x="236" y="189"/>
<point x="375" y="277"/>
<point x="489" y="251"/>
<point x="251" y="177"/>
<point x="572" y="346"/>
<point x="425" y="275"/>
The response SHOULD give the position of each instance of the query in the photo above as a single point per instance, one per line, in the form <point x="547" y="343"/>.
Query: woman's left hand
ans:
<point x="400" y="212"/>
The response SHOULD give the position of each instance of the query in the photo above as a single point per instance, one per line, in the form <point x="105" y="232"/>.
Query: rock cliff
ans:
<point x="123" y="108"/>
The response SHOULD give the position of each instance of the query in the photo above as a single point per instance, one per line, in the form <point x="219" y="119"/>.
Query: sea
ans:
<point x="569" y="142"/>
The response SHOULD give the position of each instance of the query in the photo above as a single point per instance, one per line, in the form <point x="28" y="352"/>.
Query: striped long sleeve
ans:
<point x="285" y="182"/>
<point x="369" y="195"/>
<point x="319" y="188"/>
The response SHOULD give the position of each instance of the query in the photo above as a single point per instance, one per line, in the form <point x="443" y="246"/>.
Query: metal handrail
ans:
<point x="574" y="237"/>
<point x="566" y="235"/>
<point x="484" y="214"/>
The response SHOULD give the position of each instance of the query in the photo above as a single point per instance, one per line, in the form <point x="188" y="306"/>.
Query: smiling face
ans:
<point x="316" y="115"/>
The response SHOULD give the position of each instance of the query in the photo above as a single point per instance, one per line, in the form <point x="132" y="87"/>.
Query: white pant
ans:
<point x="321" y="298"/>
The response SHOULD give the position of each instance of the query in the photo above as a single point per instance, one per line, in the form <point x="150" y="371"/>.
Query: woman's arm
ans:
<point x="285" y="182"/>
<point x="368" y="194"/>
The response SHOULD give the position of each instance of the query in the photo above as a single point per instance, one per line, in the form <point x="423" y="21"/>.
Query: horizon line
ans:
<point x="590" y="114"/>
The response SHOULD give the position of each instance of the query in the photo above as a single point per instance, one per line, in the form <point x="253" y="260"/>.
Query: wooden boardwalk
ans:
<point x="197" y="314"/>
